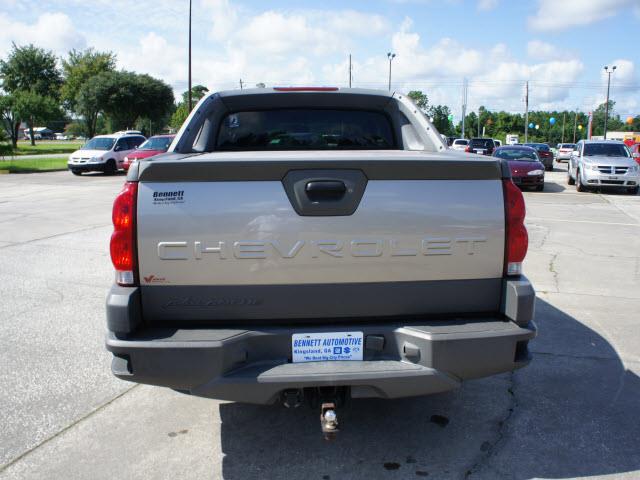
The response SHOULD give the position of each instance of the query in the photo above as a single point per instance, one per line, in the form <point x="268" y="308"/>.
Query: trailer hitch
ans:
<point x="329" y="420"/>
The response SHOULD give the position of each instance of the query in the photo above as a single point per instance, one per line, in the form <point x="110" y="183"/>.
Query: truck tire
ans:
<point x="570" y="179"/>
<point x="76" y="172"/>
<point x="540" y="188"/>
<point x="634" y="190"/>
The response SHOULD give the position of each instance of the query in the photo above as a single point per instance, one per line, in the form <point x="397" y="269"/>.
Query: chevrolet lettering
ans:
<point x="246" y="249"/>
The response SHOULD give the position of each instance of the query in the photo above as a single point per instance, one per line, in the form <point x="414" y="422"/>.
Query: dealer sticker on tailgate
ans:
<point x="326" y="346"/>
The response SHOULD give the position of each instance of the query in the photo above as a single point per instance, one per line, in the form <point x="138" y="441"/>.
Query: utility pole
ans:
<point x="478" y="122"/>
<point x="575" y="125"/>
<point x="241" y="84"/>
<point x="606" y="105"/>
<point x="526" y="112"/>
<point x="189" y="82"/>
<point x="465" y="87"/>
<point x="564" y="117"/>
<point x="350" y="70"/>
<point x="390" y="56"/>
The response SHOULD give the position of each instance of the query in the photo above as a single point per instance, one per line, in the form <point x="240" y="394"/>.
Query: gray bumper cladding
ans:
<point x="254" y="366"/>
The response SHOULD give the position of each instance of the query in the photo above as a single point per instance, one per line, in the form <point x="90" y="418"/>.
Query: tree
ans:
<point x="613" y="122"/>
<point x="34" y="108"/>
<point x="124" y="97"/>
<point x="182" y="110"/>
<point x="88" y="106"/>
<point x="33" y="69"/>
<point x="30" y="75"/>
<point x="197" y="92"/>
<point x="439" y="115"/>
<point x="10" y="119"/>
<point x="77" y="69"/>
<point x="420" y="99"/>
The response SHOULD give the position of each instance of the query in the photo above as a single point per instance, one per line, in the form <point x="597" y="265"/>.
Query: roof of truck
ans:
<point x="294" y="90"/>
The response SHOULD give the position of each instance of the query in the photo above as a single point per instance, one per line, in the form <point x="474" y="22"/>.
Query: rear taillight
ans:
<point x="468" y="149"/>
<point x="516" y="237"/>
<point x="123" y="239"/>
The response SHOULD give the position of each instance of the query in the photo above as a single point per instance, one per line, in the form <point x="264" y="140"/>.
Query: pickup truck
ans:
<point x="316" y="244"/>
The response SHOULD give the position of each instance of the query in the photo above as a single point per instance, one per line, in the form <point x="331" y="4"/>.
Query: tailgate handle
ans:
<point x="325" y="189"/>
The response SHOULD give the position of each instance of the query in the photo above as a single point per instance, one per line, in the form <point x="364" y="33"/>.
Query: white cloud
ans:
<point x="540" y="50"/>
<point x="51" y="31"/>
<point x="565" y="14"/>
<point x="487" y="4"/>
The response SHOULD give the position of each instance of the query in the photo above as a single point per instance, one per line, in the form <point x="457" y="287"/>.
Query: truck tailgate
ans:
<point x="425" y="236"/>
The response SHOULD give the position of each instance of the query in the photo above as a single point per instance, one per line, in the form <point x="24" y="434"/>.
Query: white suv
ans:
<point x="104" y="153"/>
<point x="603" y="163"/>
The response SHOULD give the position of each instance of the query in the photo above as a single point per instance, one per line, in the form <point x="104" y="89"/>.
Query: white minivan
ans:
<point x="105" y="153"/>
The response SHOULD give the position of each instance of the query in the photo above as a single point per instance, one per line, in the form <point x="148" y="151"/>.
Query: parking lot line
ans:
<point x="564" y="220"/>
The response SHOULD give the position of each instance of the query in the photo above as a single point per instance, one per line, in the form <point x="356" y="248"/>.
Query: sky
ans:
<point x="559" y="46"/>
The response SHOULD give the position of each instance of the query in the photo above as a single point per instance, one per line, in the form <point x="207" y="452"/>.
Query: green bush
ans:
<point x="5" y="149"/>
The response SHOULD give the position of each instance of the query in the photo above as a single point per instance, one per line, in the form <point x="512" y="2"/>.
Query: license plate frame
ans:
<point x="327" y="346"/>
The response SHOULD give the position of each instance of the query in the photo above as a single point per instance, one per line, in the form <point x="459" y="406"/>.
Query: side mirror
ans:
<point x="575" y="153"/>
<point x="636" y="155"/>
<point x="117" y="148"/>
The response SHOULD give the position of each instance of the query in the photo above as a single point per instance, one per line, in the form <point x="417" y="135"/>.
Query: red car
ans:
<point x="153" y="146"/>
<point x="524" y="162"/>
<point x="635" y="151"/>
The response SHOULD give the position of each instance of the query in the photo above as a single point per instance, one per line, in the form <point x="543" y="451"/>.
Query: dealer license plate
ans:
<point x="612" y="178"/>
<point x="326" y="346"/>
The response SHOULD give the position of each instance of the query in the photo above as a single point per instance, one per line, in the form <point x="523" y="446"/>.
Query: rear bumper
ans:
<point x="87" y="167"/>
<point x="253" y="365"/>
<point x="529" y="181"/>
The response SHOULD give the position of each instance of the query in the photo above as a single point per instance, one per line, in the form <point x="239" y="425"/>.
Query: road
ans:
<point x="572" y="413"/>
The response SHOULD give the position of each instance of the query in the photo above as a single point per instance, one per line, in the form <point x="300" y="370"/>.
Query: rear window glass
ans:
<point x="567" y="145"/>
<point x="538" y="146"/>
<point x="481" y="143"/>
<point x="516" y="154"/>
<point x="461" y="142"/>
<point x="306" y="130"/>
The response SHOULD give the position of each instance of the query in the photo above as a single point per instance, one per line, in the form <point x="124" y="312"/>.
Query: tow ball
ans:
<point x="329" y="420"/>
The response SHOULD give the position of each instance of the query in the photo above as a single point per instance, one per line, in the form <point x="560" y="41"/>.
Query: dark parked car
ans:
<point x="482" y="146"/>
<point x="526" y="168"/>
<point x="544" y="152"/>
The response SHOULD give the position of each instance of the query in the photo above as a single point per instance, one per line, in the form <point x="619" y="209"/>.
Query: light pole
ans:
<point x="606" y="105"/>
<point x="390" y="56"/>
<point x="189" y="82"/>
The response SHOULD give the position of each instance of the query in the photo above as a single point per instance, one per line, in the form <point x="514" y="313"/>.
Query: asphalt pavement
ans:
<point x="574" y="412"/>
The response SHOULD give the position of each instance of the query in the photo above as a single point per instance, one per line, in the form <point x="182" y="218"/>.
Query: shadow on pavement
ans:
<point x="572" y="413"/>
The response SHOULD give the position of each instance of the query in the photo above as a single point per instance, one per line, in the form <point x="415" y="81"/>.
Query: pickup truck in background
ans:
<point x="316" y="244"/>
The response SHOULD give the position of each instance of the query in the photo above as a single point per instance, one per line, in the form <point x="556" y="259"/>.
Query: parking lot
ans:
<point x="574" y="412"/>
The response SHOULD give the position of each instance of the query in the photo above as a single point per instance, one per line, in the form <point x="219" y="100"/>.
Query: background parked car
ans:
<point x="104" y="153"/>
<point x="564" y="151"/>
<point x="526" y="168"/>
<point x="152" y="146"/>
<point x="635" y="152"/>
<point x="460" y="144"/>
<point x="482" y="146"/>
<point x="544" y="152"/>
<point x="498" y="143"/>
<point x="603" y="163"/>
